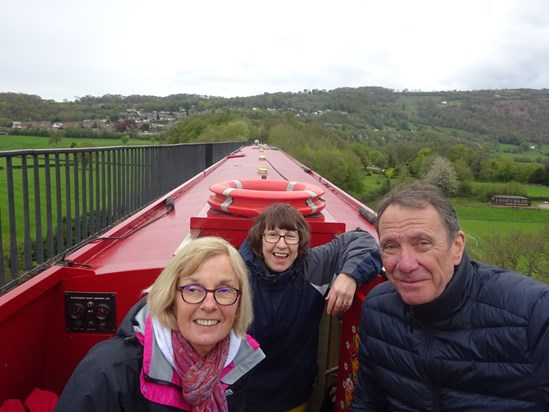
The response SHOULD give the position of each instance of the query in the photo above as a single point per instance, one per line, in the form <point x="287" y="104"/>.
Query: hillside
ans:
<point x="498" y="116"/>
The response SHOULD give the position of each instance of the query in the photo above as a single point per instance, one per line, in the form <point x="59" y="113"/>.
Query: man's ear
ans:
<point x="458" y="247"/>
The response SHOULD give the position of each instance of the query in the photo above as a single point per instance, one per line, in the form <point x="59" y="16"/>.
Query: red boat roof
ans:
<point x="153" y="246"/>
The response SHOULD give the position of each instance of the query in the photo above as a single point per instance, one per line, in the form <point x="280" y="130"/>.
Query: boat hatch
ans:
<point x="235" y="229"/>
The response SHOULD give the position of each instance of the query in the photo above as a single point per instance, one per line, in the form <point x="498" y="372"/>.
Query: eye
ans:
<point x="389" y="247"/>
<point x="190" y="289"/>
<point x="423" y="244"/>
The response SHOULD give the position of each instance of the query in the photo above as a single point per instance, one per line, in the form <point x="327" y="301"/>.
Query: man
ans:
<point x="447" y="333"/>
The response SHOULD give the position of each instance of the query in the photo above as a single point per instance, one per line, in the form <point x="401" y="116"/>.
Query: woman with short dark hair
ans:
<point x="292" y="284"/>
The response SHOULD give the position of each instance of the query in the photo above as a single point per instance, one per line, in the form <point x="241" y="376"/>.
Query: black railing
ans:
<point x="53" y="200"/>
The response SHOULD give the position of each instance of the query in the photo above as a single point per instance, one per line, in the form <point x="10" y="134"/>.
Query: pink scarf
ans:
<point x="200" y="376"/>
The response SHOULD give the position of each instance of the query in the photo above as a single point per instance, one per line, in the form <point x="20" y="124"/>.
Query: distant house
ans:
<point x="510" y="201"/>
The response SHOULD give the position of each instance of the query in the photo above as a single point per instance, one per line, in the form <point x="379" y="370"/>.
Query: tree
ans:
<point x="463" y="170"/>
<point x="536" y="254"/>
<point x="362" y="152"/>
<point x="463" y="155"/>
<point x="55" y="136"/>
<point x="526" y="253"/>
<point x="417" y="163"/>
<point x="231" y="131"/>
<point x="502" y="250"/>
<point x="541" y="175"/>
<point x="443" y="175"/>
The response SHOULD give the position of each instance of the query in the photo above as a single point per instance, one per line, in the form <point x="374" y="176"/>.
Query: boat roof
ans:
<point x="154" y="245"/>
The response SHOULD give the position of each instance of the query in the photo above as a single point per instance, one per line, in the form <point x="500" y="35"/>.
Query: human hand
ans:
<point x="341" y="294"/>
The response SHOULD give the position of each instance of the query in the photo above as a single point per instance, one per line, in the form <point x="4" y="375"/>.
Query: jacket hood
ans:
<point x="126" y="329"/>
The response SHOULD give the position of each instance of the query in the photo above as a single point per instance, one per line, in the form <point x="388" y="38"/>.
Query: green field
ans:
<point x="35" y="143"/>
<point x="533" y="191"/>
<point x="538" y="153"/>
<point x="481" y="219"/>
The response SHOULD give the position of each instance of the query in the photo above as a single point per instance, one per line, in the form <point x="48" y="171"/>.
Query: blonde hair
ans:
<point x="186" y="261"/>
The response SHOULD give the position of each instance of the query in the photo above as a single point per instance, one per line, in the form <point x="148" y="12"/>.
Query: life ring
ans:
<point x="248" y="197"/>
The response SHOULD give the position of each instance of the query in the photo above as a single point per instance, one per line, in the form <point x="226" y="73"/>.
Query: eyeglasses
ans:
<point x="224" y="296"/>
<point x="289" y="238"/>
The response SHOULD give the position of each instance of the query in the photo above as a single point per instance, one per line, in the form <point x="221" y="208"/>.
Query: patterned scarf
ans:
<point x="200" y="376"/>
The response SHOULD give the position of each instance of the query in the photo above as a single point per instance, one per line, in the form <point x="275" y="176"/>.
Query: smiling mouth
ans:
<point x="411" y="282"/>
<point x="280" y="255"/>
<point x="206" y="322"/>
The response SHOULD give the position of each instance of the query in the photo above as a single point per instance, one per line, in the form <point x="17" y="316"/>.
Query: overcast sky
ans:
<point x="65" y="49"/>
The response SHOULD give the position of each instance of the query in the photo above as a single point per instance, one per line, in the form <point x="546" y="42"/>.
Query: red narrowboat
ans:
<point x="49" y="322"/>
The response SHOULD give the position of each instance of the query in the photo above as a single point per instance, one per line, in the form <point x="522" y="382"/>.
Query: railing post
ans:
<point x="14" y="257"/>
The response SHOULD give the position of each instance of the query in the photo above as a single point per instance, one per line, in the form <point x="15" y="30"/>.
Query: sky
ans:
<point x="67" y="49"/>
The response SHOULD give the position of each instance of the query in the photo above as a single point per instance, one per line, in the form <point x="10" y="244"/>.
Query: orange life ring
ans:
<point x="248" y="197"/>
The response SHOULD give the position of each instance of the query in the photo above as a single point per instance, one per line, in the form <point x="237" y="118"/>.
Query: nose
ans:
<point x="407" y="260"/>
<point x="209" y="302"/>
<point x="281" y="238"/>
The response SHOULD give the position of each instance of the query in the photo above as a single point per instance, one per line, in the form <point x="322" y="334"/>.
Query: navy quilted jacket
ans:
<point x="483" y="345"/>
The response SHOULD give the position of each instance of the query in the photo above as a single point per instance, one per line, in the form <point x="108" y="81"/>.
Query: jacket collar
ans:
<point x="127" y="327"/>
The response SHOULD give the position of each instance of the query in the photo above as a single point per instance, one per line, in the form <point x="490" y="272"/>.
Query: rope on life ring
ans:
<point x="248" y="197"/>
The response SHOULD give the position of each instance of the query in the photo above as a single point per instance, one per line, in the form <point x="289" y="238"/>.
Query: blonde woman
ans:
<point x="183" y="347"/>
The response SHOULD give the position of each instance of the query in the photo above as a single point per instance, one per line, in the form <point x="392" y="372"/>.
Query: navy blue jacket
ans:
<point x="288" y="308"/>
<point x="483" y="345"/>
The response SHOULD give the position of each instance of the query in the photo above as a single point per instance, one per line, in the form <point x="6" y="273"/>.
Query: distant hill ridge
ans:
<point x="508" y="115"/>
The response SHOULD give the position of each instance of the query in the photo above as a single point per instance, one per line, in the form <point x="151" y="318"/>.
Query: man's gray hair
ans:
<point x="419" y="195"/>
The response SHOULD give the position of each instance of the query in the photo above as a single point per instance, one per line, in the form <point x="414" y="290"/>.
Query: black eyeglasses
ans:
<point x="224" y="296"/>
<point x="289" y="238"/>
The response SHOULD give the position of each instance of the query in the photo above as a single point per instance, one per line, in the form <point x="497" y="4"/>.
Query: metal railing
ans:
<point x="53" y="200"/>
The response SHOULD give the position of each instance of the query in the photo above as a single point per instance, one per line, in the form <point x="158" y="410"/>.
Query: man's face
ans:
<point x="416" y="255"/>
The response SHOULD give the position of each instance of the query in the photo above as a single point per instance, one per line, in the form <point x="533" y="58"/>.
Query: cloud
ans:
<point x="61" y="49"/>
